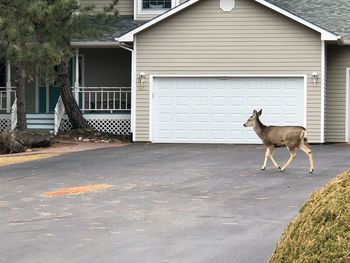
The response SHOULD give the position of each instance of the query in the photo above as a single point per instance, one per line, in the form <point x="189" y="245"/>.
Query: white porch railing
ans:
<point x="105" y="99"/>
<point x="14" y="115"/>
<point x="7" y="97"/>
<point x="59" y="112"/>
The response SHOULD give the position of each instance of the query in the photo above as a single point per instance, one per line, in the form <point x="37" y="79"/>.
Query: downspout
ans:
<point x="133" y="87"/>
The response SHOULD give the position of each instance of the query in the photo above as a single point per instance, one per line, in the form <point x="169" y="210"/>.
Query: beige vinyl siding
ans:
<point x="338" y="61"/>
<point x="125" y="7"/>
<point x="109" y="67"/>
<point x="252" y="39"/>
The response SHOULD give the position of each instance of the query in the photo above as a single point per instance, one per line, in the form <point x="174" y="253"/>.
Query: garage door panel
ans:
<point x="165" y="118"/>
<point x="183" y="117"/>
<point x="213" y="110"/>
<point x="183" y="101"/>
<point x="200" y="101"/>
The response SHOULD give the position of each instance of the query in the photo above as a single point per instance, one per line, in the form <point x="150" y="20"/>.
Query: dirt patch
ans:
<point x="77" y="190"/>
<point x="8" y="160"/>
<point x="58" y="148"/>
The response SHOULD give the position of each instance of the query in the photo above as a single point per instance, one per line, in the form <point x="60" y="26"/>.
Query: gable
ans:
<point x="325" y="35"/>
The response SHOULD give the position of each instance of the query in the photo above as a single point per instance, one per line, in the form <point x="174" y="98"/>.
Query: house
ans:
<point x="194" y="70"/>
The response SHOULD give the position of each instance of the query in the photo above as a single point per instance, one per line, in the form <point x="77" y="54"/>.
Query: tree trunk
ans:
<point x="21" y="98"/>
<point x="72" y="109"/>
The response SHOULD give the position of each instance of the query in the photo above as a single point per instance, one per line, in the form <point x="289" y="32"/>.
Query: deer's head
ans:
<point x="252" y="119"/>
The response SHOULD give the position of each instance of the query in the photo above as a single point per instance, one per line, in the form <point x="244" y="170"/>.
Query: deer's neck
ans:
<point x="259" y="128"/>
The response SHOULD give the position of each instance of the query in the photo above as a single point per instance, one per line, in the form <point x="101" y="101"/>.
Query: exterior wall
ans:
<point x="110" y="67"/>
<point x="125" y="7"/>
<point x="251" y="39"/>
<point x="338" y="61"/>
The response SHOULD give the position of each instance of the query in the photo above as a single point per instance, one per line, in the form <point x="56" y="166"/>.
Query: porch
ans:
<point x="101" y="83"/>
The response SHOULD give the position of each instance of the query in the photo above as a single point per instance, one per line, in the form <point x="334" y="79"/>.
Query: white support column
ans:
<point x="8" y="87"/>
<point x="323" y="89"/>
<point x="76" y="82"/>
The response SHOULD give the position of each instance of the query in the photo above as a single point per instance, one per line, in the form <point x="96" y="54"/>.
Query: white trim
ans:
<point x="94" y="44"/>
<point x="8" y="86"/>
<point x="133" y="90"/>
<point x="150" y="113"/>
<point x="347" y="108"/>
<point x="323" y="89"/>
<point x="88" y="116"/>
<point x="76" y="68"/>
<point x="325" y="35"/>
<point x="305" y="100"/>
<point x="151" y="90"/>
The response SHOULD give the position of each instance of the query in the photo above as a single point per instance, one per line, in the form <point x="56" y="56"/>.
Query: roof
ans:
<point x="120" y="26"/>
<point x="310" y="13"/>
<point x="333" y="16"/>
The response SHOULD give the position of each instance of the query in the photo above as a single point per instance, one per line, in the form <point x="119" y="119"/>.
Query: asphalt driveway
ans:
<point x="168" y="203"/>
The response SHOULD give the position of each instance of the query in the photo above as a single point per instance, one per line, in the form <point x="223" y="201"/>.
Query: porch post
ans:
<point x="76" y="83"/>
<point x="8" y="87"/>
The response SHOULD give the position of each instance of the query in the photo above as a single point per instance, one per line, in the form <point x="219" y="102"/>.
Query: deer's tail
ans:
<point x="304" y="136"/>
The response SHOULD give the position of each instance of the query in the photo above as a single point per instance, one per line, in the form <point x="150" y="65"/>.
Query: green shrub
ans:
<point x="321" y="232"/>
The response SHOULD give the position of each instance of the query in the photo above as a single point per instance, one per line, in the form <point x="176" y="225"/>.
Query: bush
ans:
<point x="321" y="232"/>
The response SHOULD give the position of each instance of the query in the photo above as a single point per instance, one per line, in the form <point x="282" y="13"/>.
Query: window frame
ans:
<point x="155" y="11"/>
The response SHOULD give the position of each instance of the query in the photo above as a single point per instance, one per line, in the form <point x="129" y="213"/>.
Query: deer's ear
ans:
<point x="259" y="112"/>
<point x="254" y="112"/>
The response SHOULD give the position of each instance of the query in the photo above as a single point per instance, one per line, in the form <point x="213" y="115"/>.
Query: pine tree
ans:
<point x="37" y="37"/>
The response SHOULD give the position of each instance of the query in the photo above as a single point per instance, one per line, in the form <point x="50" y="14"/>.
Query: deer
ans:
<point x="291" y="137"/>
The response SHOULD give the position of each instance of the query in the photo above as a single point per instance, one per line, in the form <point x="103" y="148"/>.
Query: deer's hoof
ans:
<point x="282" y="170"/>
<point x="311" y="171"/>
<point x="279" y="168"/>
<point x="263" y="168"/>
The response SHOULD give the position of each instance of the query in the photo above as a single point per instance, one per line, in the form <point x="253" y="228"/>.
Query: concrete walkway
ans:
<point x="168" y="203"/>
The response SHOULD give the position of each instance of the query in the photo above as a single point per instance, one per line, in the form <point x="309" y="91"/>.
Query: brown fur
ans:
<point x="291" y="137"/>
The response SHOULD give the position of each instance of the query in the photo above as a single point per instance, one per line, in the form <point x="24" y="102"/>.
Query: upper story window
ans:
<point x="156" y="5"/>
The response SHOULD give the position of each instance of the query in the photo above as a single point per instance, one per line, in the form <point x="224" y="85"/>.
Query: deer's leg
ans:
<point x="308" y="152"/>
<point x="293" y="154"/>
<point x="272" y="150"/>
<point x="267" y="154"/>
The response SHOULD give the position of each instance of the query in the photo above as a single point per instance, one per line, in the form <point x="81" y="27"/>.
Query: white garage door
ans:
<point x="213" y="110"/>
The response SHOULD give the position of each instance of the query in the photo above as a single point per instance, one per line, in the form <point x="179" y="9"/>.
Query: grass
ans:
<point x="9" y="160"/>
<point x="321" y="232"/>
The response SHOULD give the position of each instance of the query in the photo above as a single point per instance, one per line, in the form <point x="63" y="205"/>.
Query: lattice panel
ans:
<point x="5" y="124"/>
<point x="113" y="126"/>
<point x="65" y="125"/>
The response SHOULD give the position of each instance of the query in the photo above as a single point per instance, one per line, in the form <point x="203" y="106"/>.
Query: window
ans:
<point x="156" y="4"/>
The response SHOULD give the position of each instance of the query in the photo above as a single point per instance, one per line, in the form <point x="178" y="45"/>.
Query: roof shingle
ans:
<point x="331" y="15"/>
